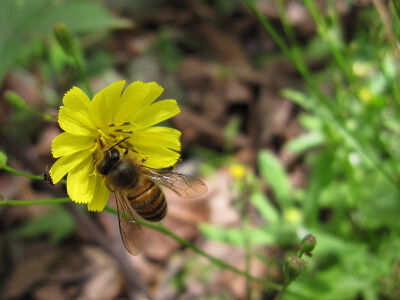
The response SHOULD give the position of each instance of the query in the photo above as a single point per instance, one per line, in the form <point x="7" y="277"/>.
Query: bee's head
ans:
<point x="111" y="158"/>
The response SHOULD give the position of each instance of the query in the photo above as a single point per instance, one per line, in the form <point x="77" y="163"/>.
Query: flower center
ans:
<point x="107" y="140"/>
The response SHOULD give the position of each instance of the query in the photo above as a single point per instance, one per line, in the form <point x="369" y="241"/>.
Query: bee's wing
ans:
<point x="183" y="185"/>
<point x="131" y="232"/>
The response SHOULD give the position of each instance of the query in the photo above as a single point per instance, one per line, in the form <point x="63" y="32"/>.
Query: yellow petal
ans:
<point x="76" y="122"/>
<point x="66" y="163"/>
<point x="156" y="113"/>
<point x="67" y="143"/>
<point x="78" y="183"/>
<point x="106" y="103"/>
<point x="157" y="137"/>
<point x="158" y="158"/>
<point x="136" y="97"/>
<point x="100" y="197"/>
<point x="76" y="99"/>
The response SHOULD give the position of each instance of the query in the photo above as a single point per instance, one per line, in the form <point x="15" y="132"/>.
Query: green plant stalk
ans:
<point x="280" y="5"/>
<point x="267" y="25"/>
<point x="158" y="227"/>
<point x="30" y="176"/>
<point x="322" y="29"/>
<point x="34" y="202"/>
<point x="79" y="65"/>
<point x="246" y="190"/>
<point x="282" y="291"/>
<point x="329" y="108"/>
<point x="294" y="48"/>
<point x="19" y="173"/>
<point x="247" y="248"/>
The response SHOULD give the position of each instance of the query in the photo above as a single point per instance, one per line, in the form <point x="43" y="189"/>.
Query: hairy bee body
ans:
<point x="144" y="195"/>
<point x="137" y="190"/>
<point x="148" y="200"/>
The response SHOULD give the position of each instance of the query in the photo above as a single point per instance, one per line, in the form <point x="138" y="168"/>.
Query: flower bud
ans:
<point x="293" y="266"/>
<point x="65" y="39"/>
<point x="15" y="100"/>
<point x="308" y="243"/>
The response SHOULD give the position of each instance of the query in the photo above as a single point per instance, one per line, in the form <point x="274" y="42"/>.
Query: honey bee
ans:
<point x="138" y="193"/>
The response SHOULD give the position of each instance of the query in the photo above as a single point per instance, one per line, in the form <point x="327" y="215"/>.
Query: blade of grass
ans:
<point x="333" y="116"/>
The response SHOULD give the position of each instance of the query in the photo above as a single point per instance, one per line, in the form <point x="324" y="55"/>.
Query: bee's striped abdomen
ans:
<point x="149" y="202"/>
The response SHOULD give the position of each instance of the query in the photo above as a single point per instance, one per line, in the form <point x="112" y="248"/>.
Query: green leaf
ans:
<point x="265" y="208"/>
<point x="231" y="131"/>
<point x="236" y="236"/>
<point x="321" y="177"/>
<point x="272" y="171"/>
<point x="298" y="97"/>
<point x="3" y="160"/>
<point x="310" y="122"/>
<point x="223" y="235"/>
<point x="23" y="22"/>
<point x="15" y="100"/>
<point x="57" y="224"/>
<point x="305" y="142"/>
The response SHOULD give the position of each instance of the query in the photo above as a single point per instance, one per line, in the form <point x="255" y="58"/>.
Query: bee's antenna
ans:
<point x="116" y="144"/>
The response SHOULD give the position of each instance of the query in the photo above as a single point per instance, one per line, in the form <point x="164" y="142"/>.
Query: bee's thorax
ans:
<point x="123" y="175"/>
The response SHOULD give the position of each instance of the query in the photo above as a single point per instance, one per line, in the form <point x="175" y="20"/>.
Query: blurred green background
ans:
<point x="290" y="114"/>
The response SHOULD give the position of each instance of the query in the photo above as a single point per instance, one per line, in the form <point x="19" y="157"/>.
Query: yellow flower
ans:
<point x="111" y="116"/>
<point x="237" y="171"/>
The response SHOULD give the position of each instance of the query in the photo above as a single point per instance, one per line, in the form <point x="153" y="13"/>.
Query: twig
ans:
<point x="387" y="23"/>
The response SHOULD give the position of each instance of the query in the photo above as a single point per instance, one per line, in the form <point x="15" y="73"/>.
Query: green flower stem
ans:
<point x="19" y="173"/>
<point x="323" y="31"/>
<point x="282" y="291"/>
<point x="34" y="202"/>
<point x="158" y="227"/>
<point x="326" y="110"/>
<point x="247" y="247"/>
<point x="216" y="261"/>
<point x="280" y="5"/>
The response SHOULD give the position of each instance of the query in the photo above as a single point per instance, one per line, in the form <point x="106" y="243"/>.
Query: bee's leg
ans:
<point x="110" y="188"/>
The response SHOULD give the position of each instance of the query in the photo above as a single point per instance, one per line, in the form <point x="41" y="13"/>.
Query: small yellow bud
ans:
<point x="237" y="171"/>
<point x="365" y="95"/>
<point x="292" y="216"/>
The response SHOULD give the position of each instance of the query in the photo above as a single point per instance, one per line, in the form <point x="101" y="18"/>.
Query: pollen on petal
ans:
<point x="112" y="116"/>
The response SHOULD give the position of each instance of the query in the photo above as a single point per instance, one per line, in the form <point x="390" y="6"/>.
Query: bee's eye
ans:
<point x="114" y="154"/>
